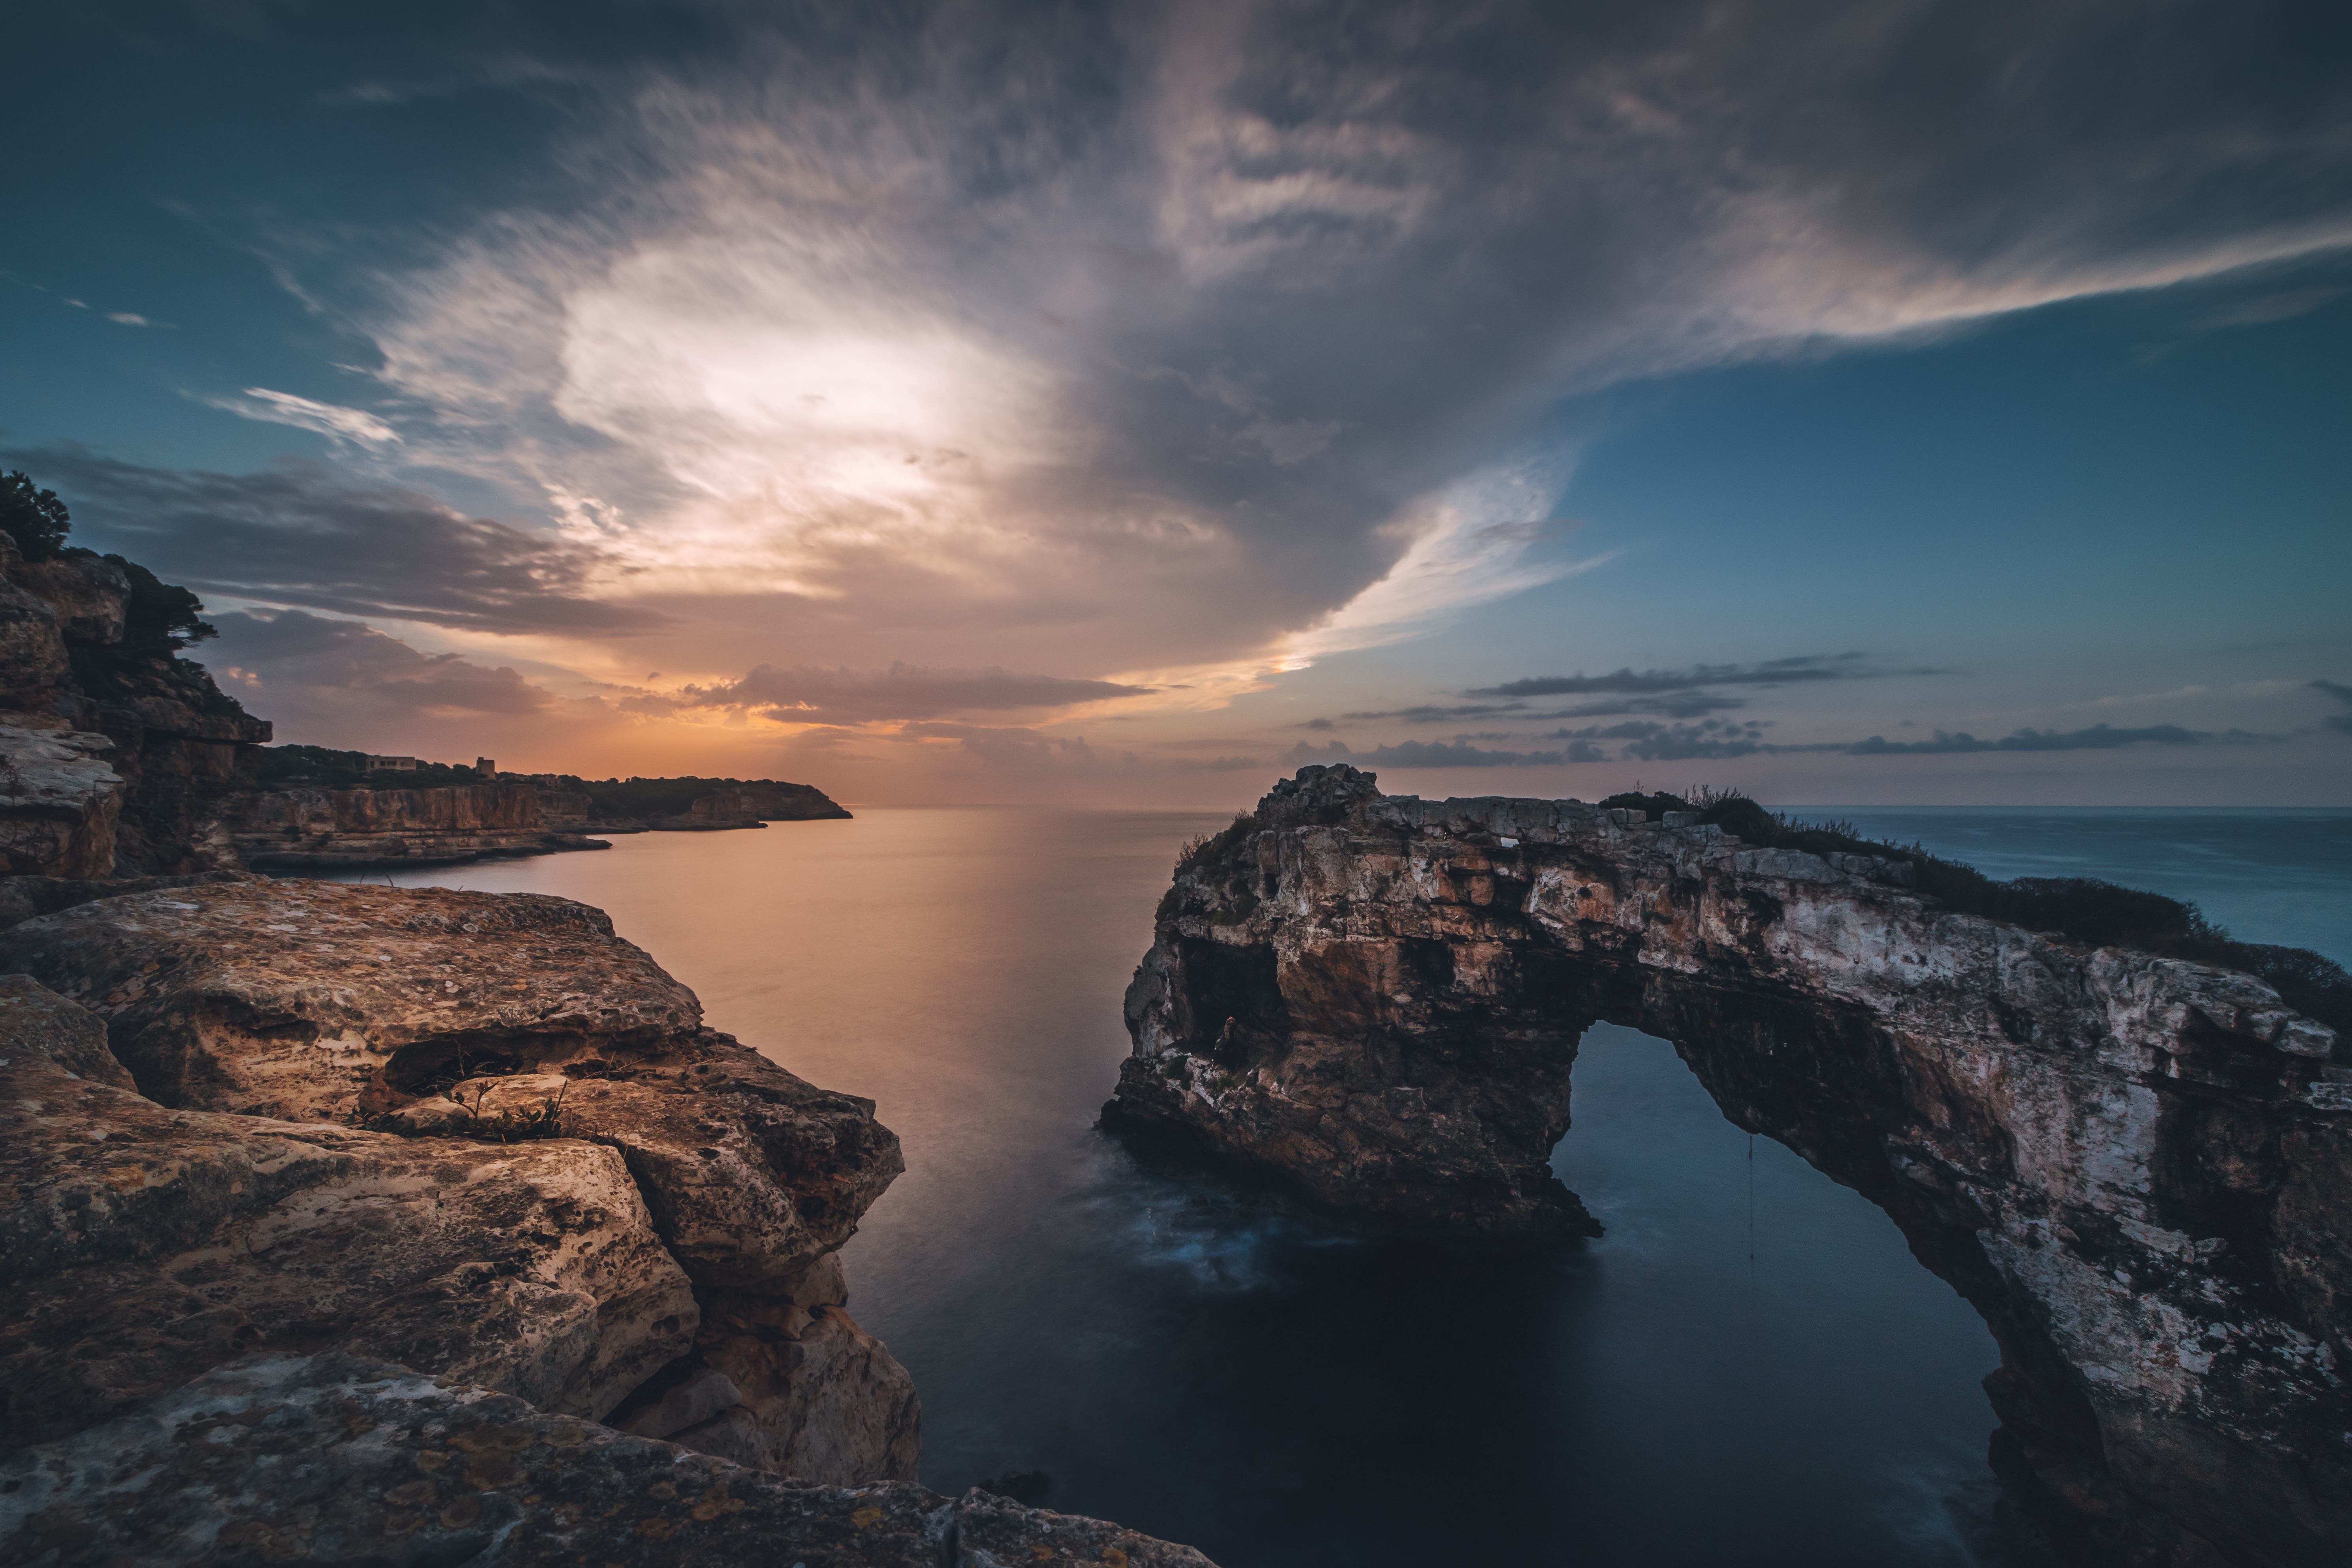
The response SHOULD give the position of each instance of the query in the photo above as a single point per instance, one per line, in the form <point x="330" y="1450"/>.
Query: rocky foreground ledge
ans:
<point x="411" y="1225"/>
<point x="2138" y="1169"/>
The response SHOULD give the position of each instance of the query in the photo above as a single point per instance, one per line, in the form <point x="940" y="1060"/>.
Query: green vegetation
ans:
<point x="160" y="618"/>
<point x="35" y="519"/>
<point x="319" y="767"/>
<point x="507" y="1126"/>
<point x="2077" y="909"/>
<point x="1215" y="846"/>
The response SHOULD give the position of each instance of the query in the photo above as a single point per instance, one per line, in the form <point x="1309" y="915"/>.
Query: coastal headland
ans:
<point x="2138" y="1168"/>
<point x="405" y="1227"/>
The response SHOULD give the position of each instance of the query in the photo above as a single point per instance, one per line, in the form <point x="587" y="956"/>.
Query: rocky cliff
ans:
<point x="328" y="829"/>
<point x="335" y="1131"/>
<point x="418" y="1226"/>
<point x="116" y="755"/>
<point x="2138" y="1169"/>
<point x="681" y="805"/>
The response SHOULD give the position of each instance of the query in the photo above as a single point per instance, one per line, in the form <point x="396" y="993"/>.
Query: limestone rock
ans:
<point x="24" y="897"/>
<point x="59" y="800"/>
<point x="2138" y="1169"/>
<point x="291" y="999"/>
<point x="88" y="593"/>
<point x="144" y="1245"/>
<point x="446" y="1023"/>
<point x="33" y="662"/>
<point x="335" y="1459"/>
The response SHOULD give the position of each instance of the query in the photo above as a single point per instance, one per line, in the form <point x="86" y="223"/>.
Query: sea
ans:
<point x="1749" y="1368"/>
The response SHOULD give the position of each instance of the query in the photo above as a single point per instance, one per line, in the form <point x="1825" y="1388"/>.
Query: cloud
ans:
<point x="301" y="535"/>
<point x="1771" y="672"/>
<point x="2098" y="738"/>
<point x="1646" y="741"/>
<point x="1422" y="755"/>
<point x="316" y="676"/>
<point x="843" y="696"/>
<point x="2339" y="723"/>
<point x="327" y="419"/>
<point x="1241" y="320"/>
<point x="125" y="318"/>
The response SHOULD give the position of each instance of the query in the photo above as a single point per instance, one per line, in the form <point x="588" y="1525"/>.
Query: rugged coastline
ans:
<point x="368" y="1224"/>
<point x="2138" y="1169"/>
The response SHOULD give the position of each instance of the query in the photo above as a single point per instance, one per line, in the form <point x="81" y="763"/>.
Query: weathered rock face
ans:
<point x="181" y="748"/>
<point x="300" y="829"/>
<point x="59" y="802"/>
<point x="441" y="1022"/>
<point x="337" y="1459"/>
<point x="2138" y="1169"/>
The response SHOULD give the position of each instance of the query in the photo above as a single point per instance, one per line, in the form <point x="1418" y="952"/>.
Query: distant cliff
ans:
<point x="679" y="805"/>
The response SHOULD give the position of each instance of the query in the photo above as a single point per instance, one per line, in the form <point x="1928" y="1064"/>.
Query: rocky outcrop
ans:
<point x="476" y="1135"/>
<point x="326" y="829"/>
<point x="176" y="748"/>
<point x="2138" y="1169"/>
<point x="59" y="802"/>
<point x="338" y="1460"/>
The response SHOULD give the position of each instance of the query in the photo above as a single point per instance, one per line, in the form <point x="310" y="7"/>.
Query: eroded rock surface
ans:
<point x="338" y="1460"/>
<point x="144" y="1246"/>
<point x="348" y="1094"/>
<point x="2138" y="1169"/>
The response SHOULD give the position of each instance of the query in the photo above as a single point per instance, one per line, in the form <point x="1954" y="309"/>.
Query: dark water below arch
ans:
<point x="1272" y="1395"/>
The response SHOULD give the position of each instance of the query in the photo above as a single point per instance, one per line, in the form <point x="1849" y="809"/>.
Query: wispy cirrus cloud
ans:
<point x="332" y="420"/>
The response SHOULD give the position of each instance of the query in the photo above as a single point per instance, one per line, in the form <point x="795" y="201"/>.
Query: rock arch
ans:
<point x="2139" y="1169"/>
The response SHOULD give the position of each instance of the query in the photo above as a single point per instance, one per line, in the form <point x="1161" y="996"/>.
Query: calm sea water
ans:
<point x="1749" y="1368"/>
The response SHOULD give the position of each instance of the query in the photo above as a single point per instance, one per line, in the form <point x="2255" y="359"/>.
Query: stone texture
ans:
<point x="86" y="594"/>
<point x="60" y="799"/>
<point x="2138" y="1169"/>
<point x="335" y="1459"/>
<point x="143" y="1245"/>
<point x="439" y="1020"/>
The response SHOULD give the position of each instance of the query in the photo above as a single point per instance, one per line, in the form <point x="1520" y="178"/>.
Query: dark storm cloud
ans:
<point x="2339" y="723"/>
<point x="300" y="534"/>
<point x="902" y="691"/>
<point x="312" y="673"/>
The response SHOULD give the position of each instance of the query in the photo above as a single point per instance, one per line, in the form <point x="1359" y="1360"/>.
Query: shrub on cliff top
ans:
<point x="33" y="518"/>
<point x="1216" y="845"/>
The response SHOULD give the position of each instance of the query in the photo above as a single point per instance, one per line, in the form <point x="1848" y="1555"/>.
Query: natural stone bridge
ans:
<point x="2139" y="1169"/>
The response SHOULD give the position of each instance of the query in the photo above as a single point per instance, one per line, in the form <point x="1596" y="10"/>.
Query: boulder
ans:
<point x="340" y="1460"/>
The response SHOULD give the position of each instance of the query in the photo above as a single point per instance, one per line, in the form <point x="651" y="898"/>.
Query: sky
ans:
<point x="1868" y="403"/>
